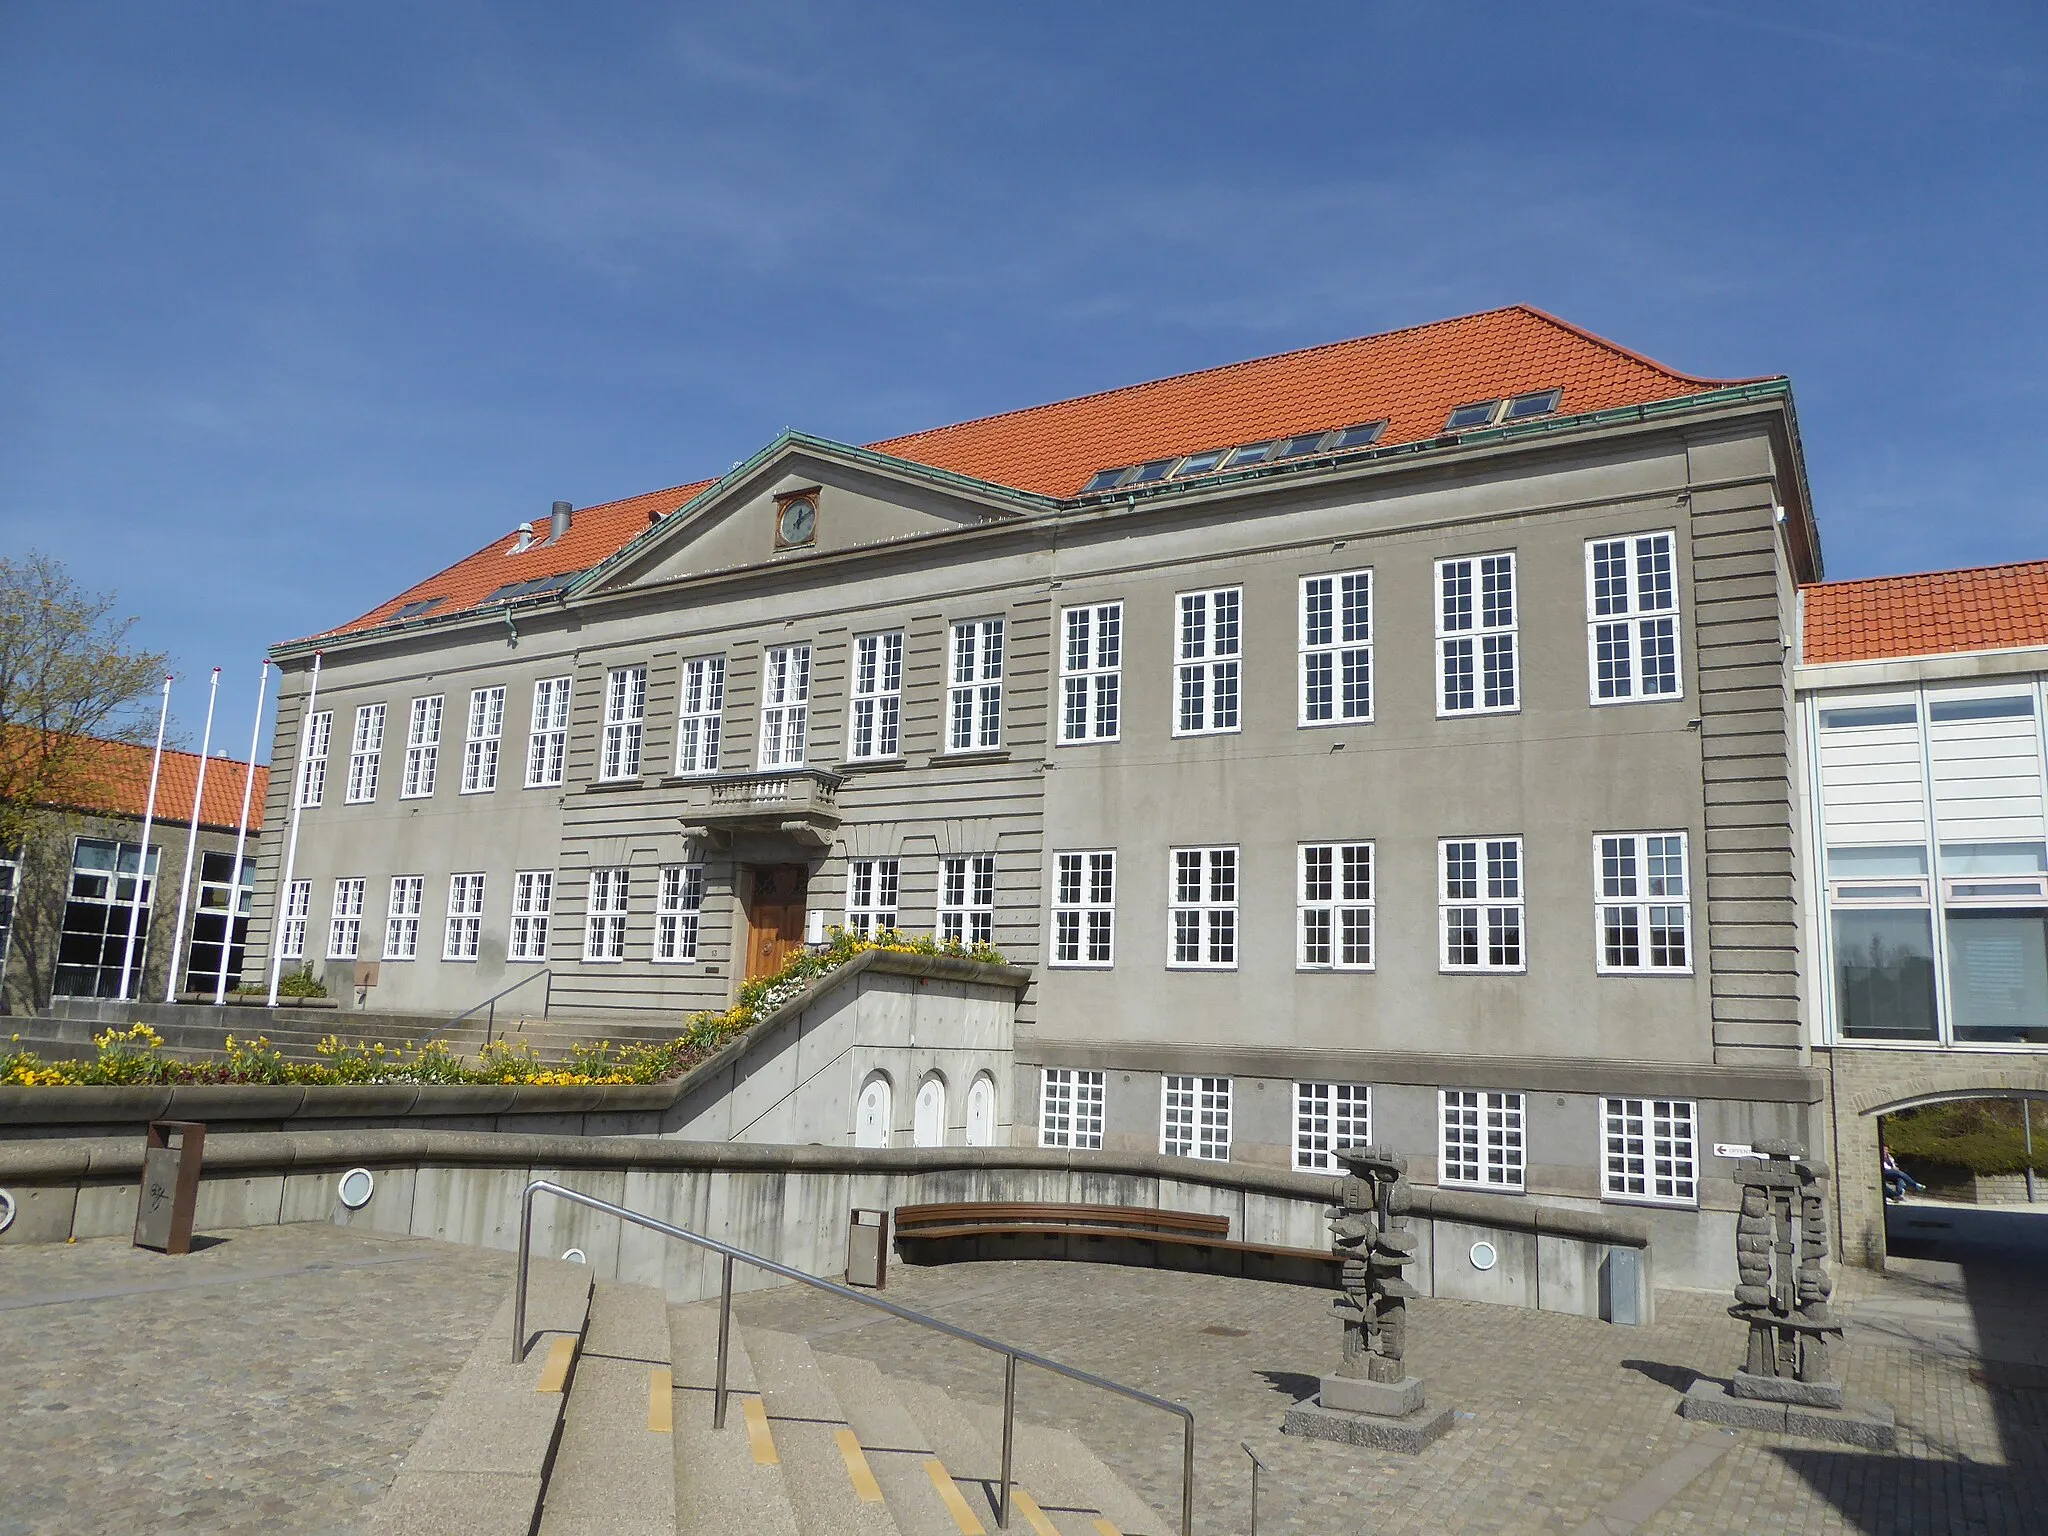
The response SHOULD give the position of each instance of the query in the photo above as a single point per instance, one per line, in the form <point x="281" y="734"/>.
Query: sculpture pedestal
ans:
<point x="1388" y="1415"/>
<point x="1785" y="1389"/>
<point x="1870" y="1425"/>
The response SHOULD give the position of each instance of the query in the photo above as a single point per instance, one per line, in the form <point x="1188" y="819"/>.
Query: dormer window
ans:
<point x="1538" y="403"/>
<point x="1466" y="418"/>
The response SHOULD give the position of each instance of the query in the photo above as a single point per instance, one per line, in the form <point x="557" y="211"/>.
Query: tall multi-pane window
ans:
<point x="402" y="919"/>
<point x="1644" y="902"/>
<point x="974" y="689"/>
<point x="1203" y="909"/>
<point x="1481" y="1138"/>
<point x="967" y="898"/>
<point x="422" y="748"/>
<point x="604" y="923"/>
<point x="625" y="721"/>
<point x="699" y="713"/>
<point x="533" y="903"/>
<point x="785" y="705"/>
<point x="365" y="751"/>
<point x="1334" y="905"/>
<point x="1477" y="668"/>
<point x="1632" y="618"/>
<point x="1650" y="1150"/>
<point x="465" y="928"/>
<point x="547" y="742"/>
<point x="113" y="886"/>
<point x="872" y="887"/>
<point x="345" y="924"/>
<point x="1070" y="1108"/>
<point x="1194" y="1117"/>
<point x="1328" y="1116"/>
<point x="877" y="696"/>
<point x="678" y="910"/>
<point x="1336" y="648"/>
<point x="480" y="745"/>
<point x="1091" y="672"/>
<point x="298" y="906"/>
<point x="313" y="766"/>
<point x="1480" y="904"/>
<point x="1208" y="661"/>
<point x="1084" y="908"/>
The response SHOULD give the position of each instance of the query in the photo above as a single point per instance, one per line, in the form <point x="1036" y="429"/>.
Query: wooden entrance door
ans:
<point x="775" y="916"/>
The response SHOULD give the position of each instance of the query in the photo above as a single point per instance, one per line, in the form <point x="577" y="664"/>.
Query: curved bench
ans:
<point x="1099" y="1234"/>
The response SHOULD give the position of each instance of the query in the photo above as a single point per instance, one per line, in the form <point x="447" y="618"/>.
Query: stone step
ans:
<point x="822" y="1462"/>
<point x="974" y="1462"/>
<point x="720" y="1488"/>
<point x="896" y="1448"/>
<point x="614" y="1473"/>
<point x="1082" y="1487"/>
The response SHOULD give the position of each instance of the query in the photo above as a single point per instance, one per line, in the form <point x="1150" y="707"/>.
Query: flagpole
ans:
<point x="156" y="764"/>
<point x="191" y="841"/>
<point x="220" y="991"/>
<point x="291" y="848"/>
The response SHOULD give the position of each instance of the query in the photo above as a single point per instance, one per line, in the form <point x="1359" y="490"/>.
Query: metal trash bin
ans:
<point x="170" y="1186"/>
<point x="867" y="1248"/>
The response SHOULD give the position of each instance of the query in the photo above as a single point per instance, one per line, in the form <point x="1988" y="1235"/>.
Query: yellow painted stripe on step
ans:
<point x="949" y="1495"/>
<point x="758" y="1435"/>
<point x="661" y="1401"/>
<point x="864" y="1482"/>
<point x="1032" y="1512"/>
<point x="1104" y="1528"/>
<point x="554" y="1373"/>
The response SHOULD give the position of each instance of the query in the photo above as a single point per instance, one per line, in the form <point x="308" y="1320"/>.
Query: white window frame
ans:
<point x="1487" y="1128"/>
<point x="480" y="744"/>
<point x="1626" y="622"/>
<point x="1208" y="677"/>
<point x="547" y="740"/>
<point x="1467" y="625"/>
<point x="1091" y="673"/>
<point x="874" y="891"/>
<point x="463" y="936"/>
<point x="1496" y="900"/>
<point x="1084" y="909"/>
<point x="1327" y="1116"/>
<point x="874" y="728"/>
<point x="402" y="917"/>
<point x="1335" y="894"/>
<point x="1202" y="907"/>
<point x="298" y="908"/>
<point x="625" y="723"/>
<point x="1070" y="1102"/>
<point x="785" y="704"/>
<point x="345" y="921"/>
<point x="604" y="918"/>
<point x="365" y="754"/>
<point x="974" y="686"/>
<point x="1194" y="1117"/>
<point x="967" y="898"/>
<point x="533" y="907"/>
<point x="678" y="913"/>
<point x="700" y="715"/>
<point x="1628" y="898"/>
<point x="313" y="766"/>
<point x="1336" y="652"/>
<point x="1649" y="1151"/>
<point x="422" y="747"/>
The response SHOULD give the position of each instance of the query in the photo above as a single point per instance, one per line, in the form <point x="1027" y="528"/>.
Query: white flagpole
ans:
<point x="156" y="764"/>
<point x="291" y="847"/>
<point x="220" y="990"/>
<point x="191" y="842"/>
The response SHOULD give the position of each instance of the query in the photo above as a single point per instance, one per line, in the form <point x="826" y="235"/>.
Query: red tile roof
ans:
<point x="111" y="778"/>
<point x="1988" y="608"/>
<point x="1413" y="378"/>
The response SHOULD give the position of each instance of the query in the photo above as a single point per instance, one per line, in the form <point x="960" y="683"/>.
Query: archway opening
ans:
<point x="1966" y="1175"/>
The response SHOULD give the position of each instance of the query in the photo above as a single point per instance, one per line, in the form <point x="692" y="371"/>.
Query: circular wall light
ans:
<point x="1484" y="1256"/>
<point x="6" y="1210"/>
<point x="574" y="1256"/>
<point x="356" y="1187"/>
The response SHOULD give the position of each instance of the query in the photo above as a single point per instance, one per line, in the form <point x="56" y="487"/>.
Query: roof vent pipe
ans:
<point x="559" y="524"/>
<point x="525" y="532"/>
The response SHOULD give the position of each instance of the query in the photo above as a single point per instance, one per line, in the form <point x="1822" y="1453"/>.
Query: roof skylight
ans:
<point x="1537" y="403"/>
<point x="1250" y="453"/>
<point x="1479" y="413"/>
<point x="1104" y="479"/>
<point x="1295" y="447"/>
<point x="1147" y="473"/>
<point x="512" y="591"/>
<point x="1201" y="463"/>
<point x="1361" y="436"/>
<point x="414" y="609"/>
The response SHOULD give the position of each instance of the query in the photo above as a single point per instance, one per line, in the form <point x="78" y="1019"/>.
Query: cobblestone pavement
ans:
<point x="271" y="1381"/>
<point x="1559" y="1416"/>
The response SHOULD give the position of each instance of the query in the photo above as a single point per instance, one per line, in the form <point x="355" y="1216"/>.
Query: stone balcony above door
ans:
<point x="801" y="805"/>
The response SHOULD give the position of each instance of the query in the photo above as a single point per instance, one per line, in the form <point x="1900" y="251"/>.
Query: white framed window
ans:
<point x="1091" y="672"/>
<point x="1480" y="904"/>
<point x="345" y="925"/>
<point x="1328" y="1116"/>
<point x="1208" y="661"/>
<point x="422" y="748"/>
<point x="1084" y="908"/>
<point x="1481" y="1144"/>
<point x="1478" y="671"/>
<point x="700" y="714"/>
<point x="967" y="898"/>
<point x="1336" y="648"/>
<point x="465" y="917"/>
<point x="974" y="691"/>
<point x="402" y="919"/>
<point x="872" y="888"/>
<point x="877" y="697"/>
<point x="1650" y="1150"/>
<point x="625" y="721"/>
<point x="1194" y="1117"/>
<point x="533" y="903"/>
<point x="604" y="922"/>
<point x="785" y="705"/>
<point x="480" y="745"/>
<point x="1334" y="905"/>
<point x="1202" y="909"/>
<point x="298" y="905"/>
<point x="1632" y="618"/>
<point x="678" y="911"/>
<point x="313" y="766"/>
<point x="365" y="752"/>
<point x="1643" y="903"/>
<point x="547" y="743"/>
<point x="1070" y="1108"/>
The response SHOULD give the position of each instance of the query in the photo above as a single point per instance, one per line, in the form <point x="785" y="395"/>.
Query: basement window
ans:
<point x="1541" y="403"/>
<point x="1479" y="413"/>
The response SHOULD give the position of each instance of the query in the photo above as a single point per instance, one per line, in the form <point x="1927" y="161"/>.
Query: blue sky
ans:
<point x="299" y="304"/>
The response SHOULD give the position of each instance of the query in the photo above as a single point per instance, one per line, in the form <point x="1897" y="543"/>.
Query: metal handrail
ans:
<point x="491" y="1002"/>
<point x="1010" y="1353"/>
<point x="1258" y="1466"/>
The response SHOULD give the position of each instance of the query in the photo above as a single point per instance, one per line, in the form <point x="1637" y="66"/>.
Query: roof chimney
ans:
<point x="559" y="523"/>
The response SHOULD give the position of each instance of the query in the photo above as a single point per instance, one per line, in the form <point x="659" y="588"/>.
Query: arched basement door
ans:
<point x="871" y="1115"/>
<point x="928" y="1128"/>
<point x="981" y="1112"/>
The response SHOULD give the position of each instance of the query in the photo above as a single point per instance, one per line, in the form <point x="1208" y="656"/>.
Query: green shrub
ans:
<point x="1978" y="1135"/>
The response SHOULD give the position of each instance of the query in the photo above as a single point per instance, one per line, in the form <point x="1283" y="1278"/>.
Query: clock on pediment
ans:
<point x="796" y="518"/>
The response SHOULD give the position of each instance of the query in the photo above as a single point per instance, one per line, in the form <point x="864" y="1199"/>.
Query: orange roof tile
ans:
<point x="1987" y="608"/>
<point x="112" y="779"/>
<point x="1413" y="378"/>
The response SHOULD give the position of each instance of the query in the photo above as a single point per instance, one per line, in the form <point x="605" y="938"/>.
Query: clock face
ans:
<point x="798" y="522"/>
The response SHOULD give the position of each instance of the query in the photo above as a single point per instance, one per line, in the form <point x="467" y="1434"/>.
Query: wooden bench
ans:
<point x="1101" y="1234"/>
